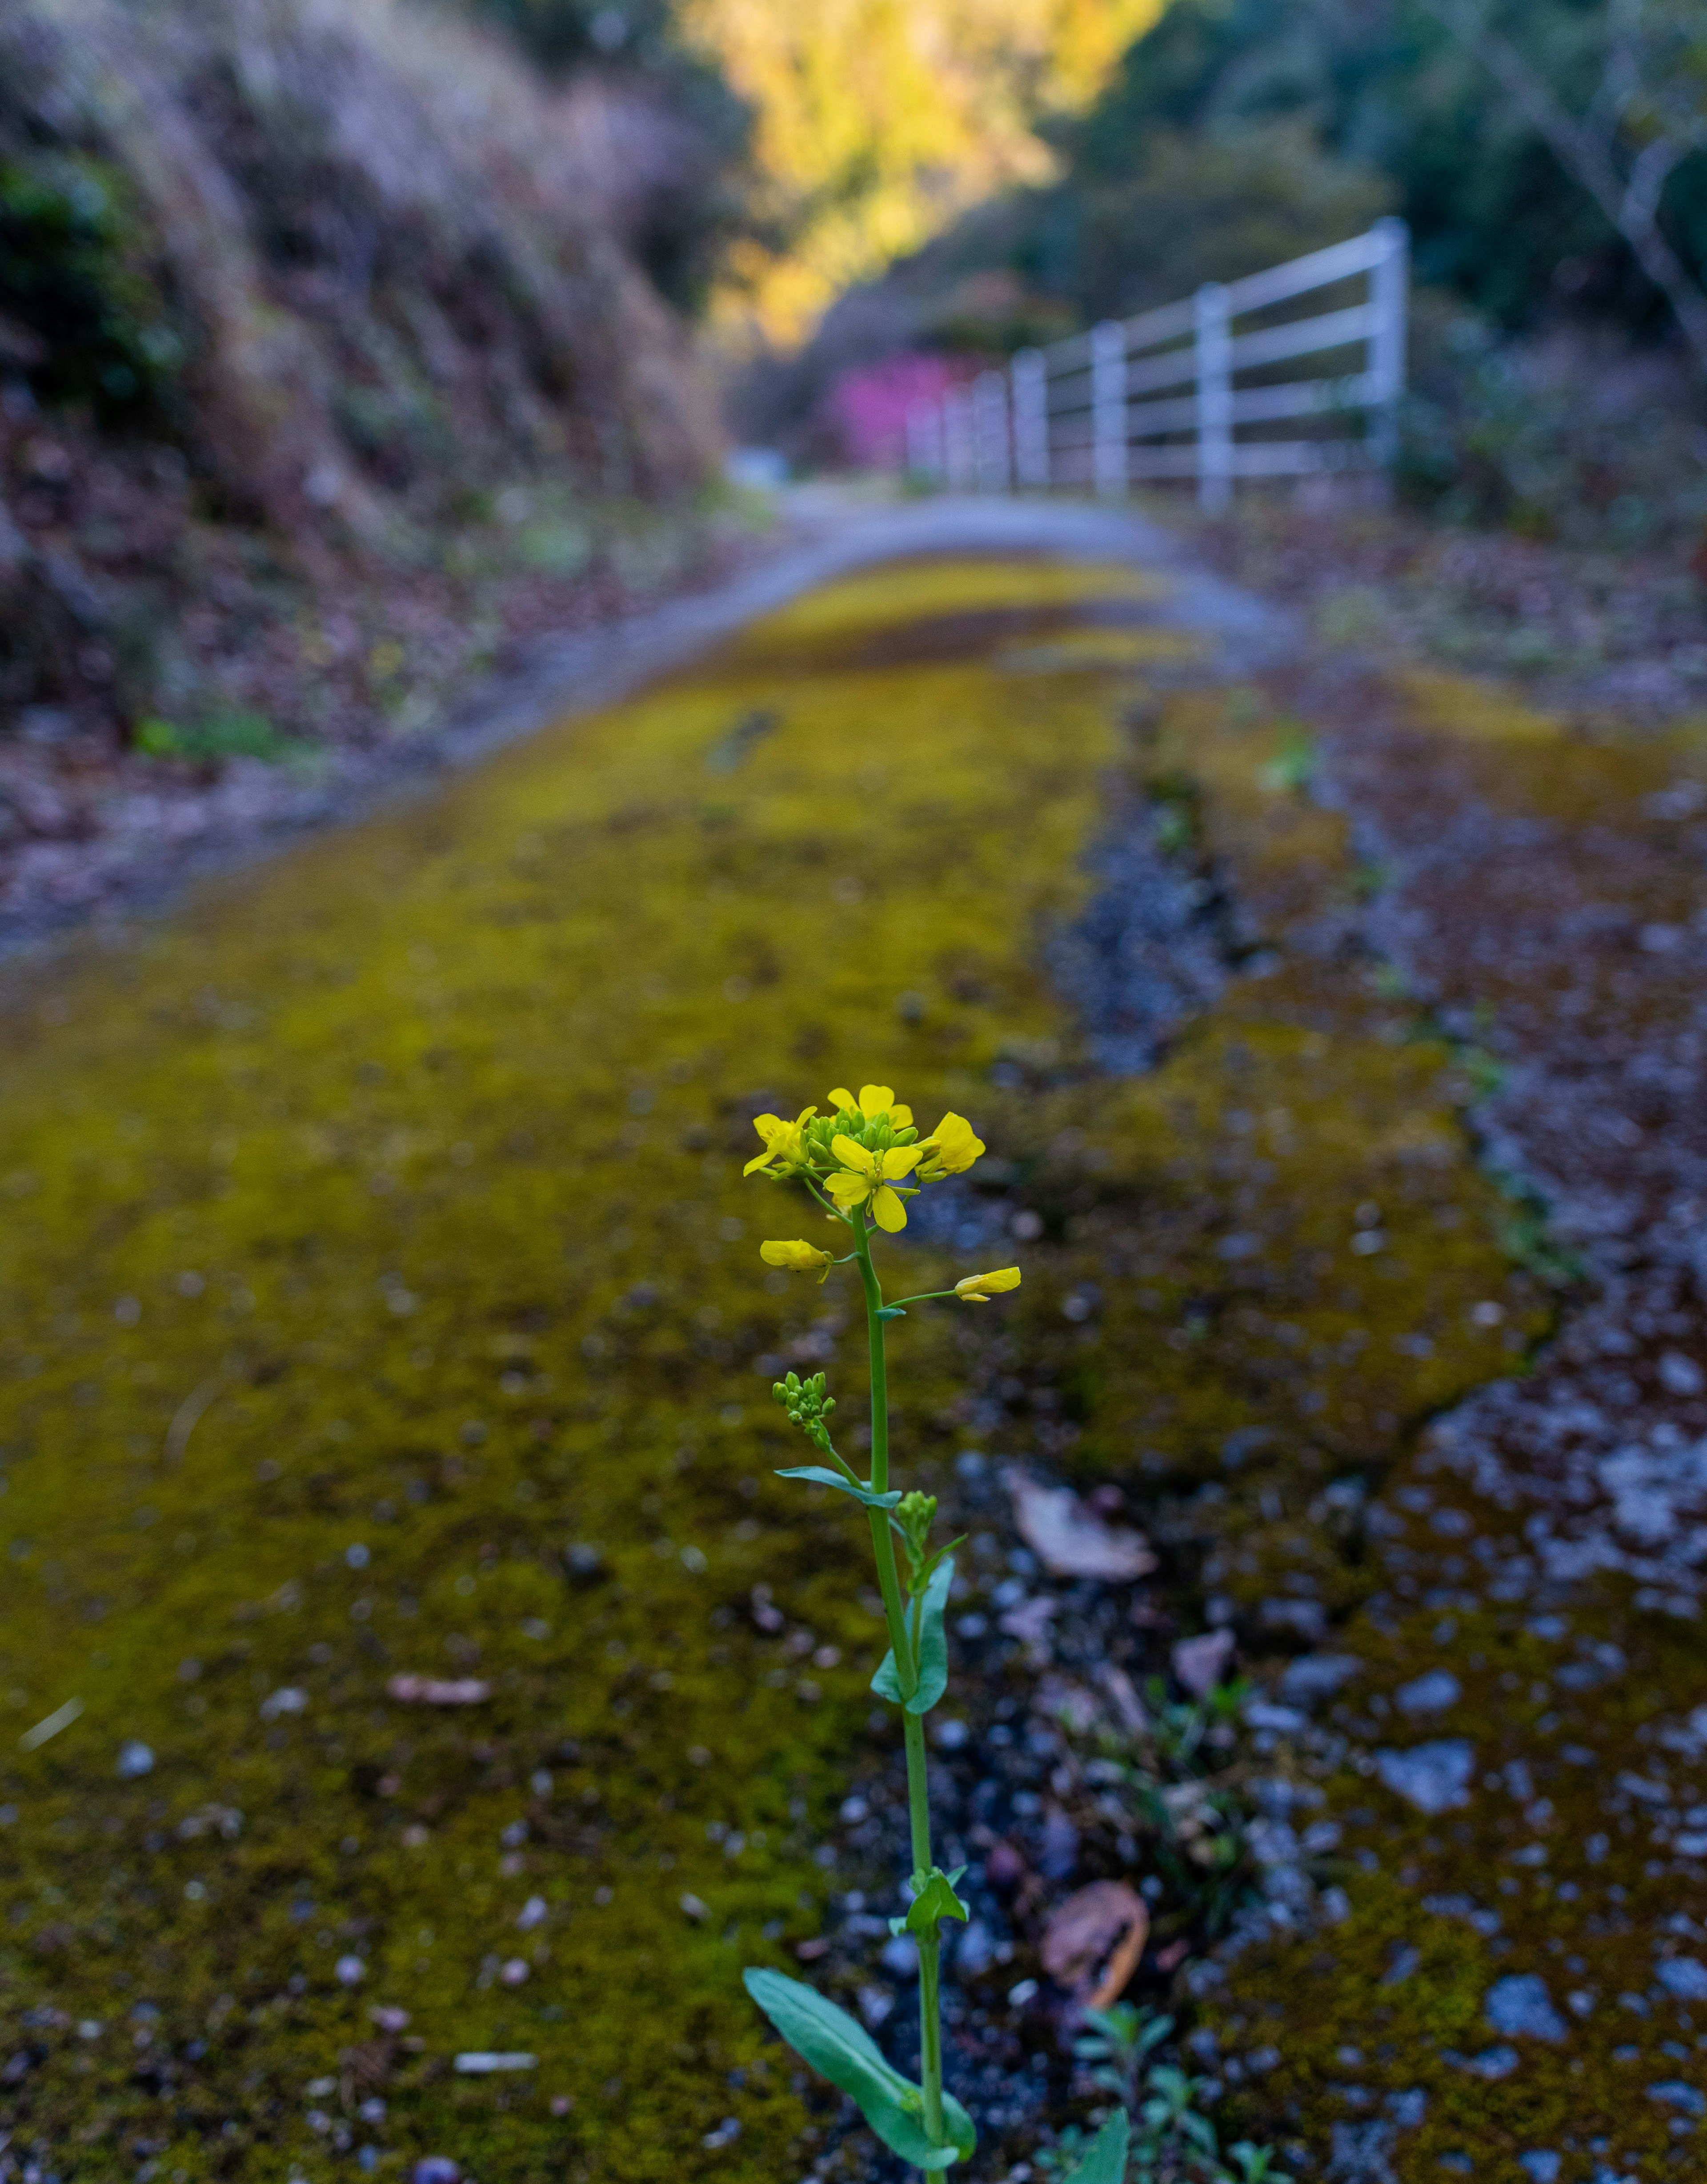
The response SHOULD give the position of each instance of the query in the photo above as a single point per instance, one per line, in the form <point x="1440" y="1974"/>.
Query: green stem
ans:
<point x="902" y="1639"/>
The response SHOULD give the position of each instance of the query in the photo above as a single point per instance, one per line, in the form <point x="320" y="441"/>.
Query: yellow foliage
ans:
<point x="876" y="121"/>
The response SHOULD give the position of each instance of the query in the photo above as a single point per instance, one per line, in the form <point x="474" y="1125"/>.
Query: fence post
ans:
<point x="1108" y="408"/>
<point x="1390" y="294"/>
<point x="924" y="455"/>
<point x="1214" y="399"/>
<point x="1030" y="378"/>
<point x="990" y="421"/>
<point x="960" y="455"/>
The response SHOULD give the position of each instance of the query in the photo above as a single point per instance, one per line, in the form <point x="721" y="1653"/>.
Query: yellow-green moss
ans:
<point x="389" y="1198"/>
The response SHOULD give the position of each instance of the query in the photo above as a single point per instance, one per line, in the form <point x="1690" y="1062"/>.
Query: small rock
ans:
<point x="534" y="1913"/>
<point x="1677" y="2095"/>
<point x="951" y="1735"/>
<point x="1429" y="1694"/>
<point x="1493" y="2063"/>
<point x="1435" y="1778"/>
<point x="1541" y="2168"/>
<point x="390" y="2019"/>
<point x="1200" y="1663"/>
<point x="483" y="2062"/>
<point x="1402" y="1962"/>
<point x="350" y="1971"/>
<point x="900" y="1956"/>
<point x="438" y="1691"/>
<point x="1285" y="1720"/>
<point x="1070" y="1539"/>
<point x="435" y="2169"/>
<point x="1316" y="1676"/>
<point x="135" y="1759"/>
<point x="286" y="1700"/>
<point x="1521" y="2006"/>
<point x="875" y="2004"/>
<point x="1684" y="1976"/>
<point x="515" y="1971"/>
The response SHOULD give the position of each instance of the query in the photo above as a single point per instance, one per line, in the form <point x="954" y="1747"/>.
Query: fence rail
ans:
<point x="1101" y="408"/>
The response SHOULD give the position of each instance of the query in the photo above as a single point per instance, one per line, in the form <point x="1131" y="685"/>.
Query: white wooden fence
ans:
<point x="1158" y="395"/>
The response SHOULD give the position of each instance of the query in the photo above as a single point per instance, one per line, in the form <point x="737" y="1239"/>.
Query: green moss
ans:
<point x="389" y="1199"/>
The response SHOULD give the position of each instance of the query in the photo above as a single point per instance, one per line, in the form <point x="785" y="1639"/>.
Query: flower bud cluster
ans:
<point x="806" y="1406"/>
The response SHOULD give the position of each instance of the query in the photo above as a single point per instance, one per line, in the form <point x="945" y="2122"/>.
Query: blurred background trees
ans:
<point x="318" y="281"/>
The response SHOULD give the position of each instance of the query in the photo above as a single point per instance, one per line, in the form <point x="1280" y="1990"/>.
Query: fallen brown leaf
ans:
<point x="1105" y="1924"/>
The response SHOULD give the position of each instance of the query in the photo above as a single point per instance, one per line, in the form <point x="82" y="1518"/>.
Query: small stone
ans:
<point x="515" y="1972"/>
<point x="532" y="1913"/>
<point x="1403" y="1961"/>
<point x="1521" y="2006"/>
<point x="875" y="2004"/>
<point x="900" y="1956"/>
<point x="1317" y="1676"/>
<point x="1686" y="1977"/>
<point x="1494" y="2063"/>
<point x="1435" y="1778"/>
<point x="951" y="1735"/>
<point x="1429" y="1694"/>
<point x="1285" y="1720"/>
<point x="1677" y="2095"/>
<point x="1541" y="2168"/>
<point x="435" y="2169"/>
<point x="135" y="1760"/>
<point x="350" y="1971"/>
<point x="1200" y="1663"/>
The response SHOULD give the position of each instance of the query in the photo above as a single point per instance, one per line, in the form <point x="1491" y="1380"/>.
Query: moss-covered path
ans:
<point x="384" y="1304"/>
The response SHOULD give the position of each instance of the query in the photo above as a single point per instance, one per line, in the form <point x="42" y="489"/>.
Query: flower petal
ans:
<point x="887" y="1210"/>
<point x="900" y="1161"/>
<point x="876" y="1099"/>
<point x="841" y="1099"/>
<point x="852" y="1154"/>
<point x="901" y="1117"/>
<point x="848" y="1187"/>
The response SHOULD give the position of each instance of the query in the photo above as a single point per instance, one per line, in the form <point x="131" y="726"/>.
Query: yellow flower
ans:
<point x="865" y="1176"/>
<point x="951" y="1149"/>
<point x="798" y="1256"/>
<point x="874" y="1100"/>
<point x="978" y="1288"/>
<point x="783" y="1141"/>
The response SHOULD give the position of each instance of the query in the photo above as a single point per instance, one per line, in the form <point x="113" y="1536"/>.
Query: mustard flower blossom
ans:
<point x="784" y="1144"/>
<point x="873" y="1100"/>
<point x="950" y="1149"/>
<point x="978" y="1288"/>
<point x="799" y="1257"/>
<point x="865" y="1177"/>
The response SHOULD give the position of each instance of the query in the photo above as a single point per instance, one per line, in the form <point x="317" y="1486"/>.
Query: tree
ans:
<point x="1646" y="115"/>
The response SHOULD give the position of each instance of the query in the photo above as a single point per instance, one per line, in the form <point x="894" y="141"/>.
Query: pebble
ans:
<point x="350" y="1971"/>
<point x="1429" y="1694"/>
<point x="1521" y="2006"/>
<point x="1317" y="1676"/>
<point x="1435" y="1778"/>
<point x="1541" y="2168"/>
<point x="135" y="1759"/>
<point x="435" y="2169"/>
<point x="1686" y="1977"/>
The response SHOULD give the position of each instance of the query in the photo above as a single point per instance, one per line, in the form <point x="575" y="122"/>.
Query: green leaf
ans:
<point x="821" y="1475"/>
<point x="1106" y="2162"/>
<point x="845" y="2053"/>
<point x="933" y="1650"/>
<point x="936" y="1901"/>
<point x="890" y="1312"/>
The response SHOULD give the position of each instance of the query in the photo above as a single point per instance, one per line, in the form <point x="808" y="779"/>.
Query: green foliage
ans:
<point x="846" y="2053"/>
<point x="223" y="732"/>
<point x="76" y="274"/>
<point x="931" y="1644"/>
<point x="1106" y="2162"/>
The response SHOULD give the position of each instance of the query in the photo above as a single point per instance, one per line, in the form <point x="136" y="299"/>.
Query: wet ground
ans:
<point x="384" y="1302"/>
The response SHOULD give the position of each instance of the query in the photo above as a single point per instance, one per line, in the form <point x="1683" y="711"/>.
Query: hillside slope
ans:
<point x="314" y="320"/>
